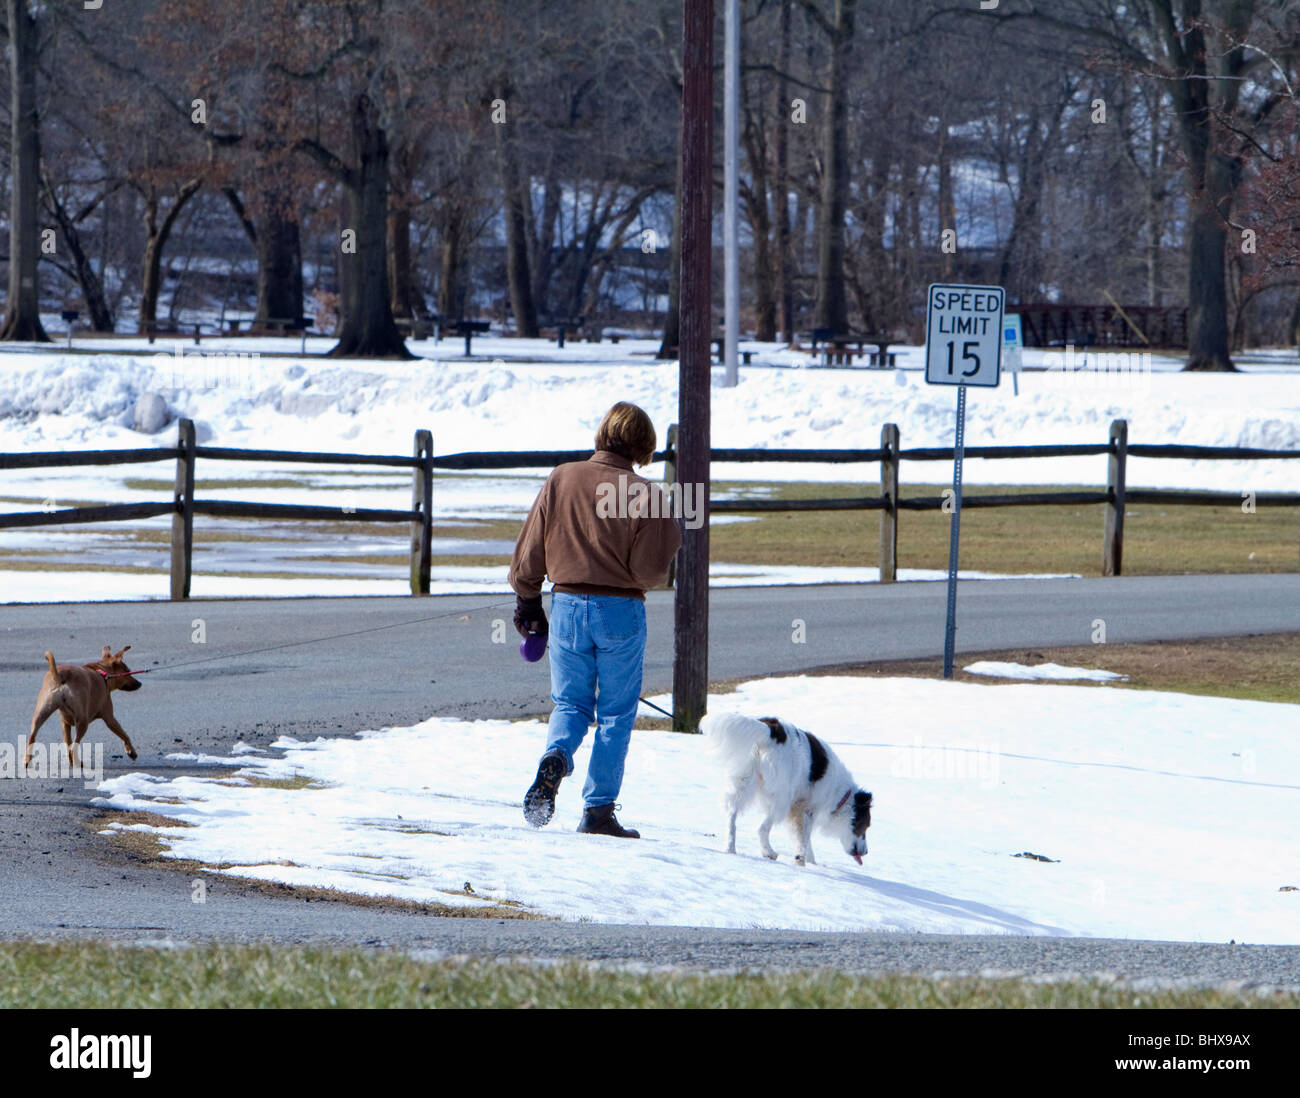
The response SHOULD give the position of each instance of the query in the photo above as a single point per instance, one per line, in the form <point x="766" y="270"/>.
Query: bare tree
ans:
<point x="22" y="319"/>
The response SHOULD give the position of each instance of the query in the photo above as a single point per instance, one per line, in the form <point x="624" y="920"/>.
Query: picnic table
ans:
<point x="155" y="328"/>
<point x="841" y="350"/>
<point x="563" y="326"/>
<point x="413" y="328"/>
<point x="469" y="329"/>
<point x="720" y="352"/>
<point x="301" y="324"/>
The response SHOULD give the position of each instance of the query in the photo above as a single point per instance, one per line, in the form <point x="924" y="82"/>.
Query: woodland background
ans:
<point x="516" y="160"/>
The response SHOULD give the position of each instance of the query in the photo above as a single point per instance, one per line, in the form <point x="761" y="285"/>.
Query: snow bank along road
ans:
<point x="57" y="879"/>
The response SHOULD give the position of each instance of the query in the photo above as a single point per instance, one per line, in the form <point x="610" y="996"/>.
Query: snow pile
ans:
<point x="1051" y="671"/>
<point x="1164" y="816"/>
<point x="528" y="395"/>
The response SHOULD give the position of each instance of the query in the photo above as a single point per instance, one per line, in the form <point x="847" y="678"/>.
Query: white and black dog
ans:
<point x="792" y="774"/>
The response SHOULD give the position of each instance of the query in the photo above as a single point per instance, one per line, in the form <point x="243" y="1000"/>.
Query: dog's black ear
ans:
<point x="108" y="653"/>
<point x="861" y="811"/>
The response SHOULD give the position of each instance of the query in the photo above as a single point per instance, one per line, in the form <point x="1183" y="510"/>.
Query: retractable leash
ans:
<point x="530" y="644"/>
<point x="653" y="706"/>
<point x="311" y="640"/>
<point x="533" y="647"/>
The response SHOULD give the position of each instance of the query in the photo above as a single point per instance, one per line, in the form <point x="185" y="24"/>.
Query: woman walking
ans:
<point x="604" y="536"/>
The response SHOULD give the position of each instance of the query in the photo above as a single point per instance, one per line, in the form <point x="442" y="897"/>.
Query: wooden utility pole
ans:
<point x="695" y="214"/>
<point x="731" y="196"/>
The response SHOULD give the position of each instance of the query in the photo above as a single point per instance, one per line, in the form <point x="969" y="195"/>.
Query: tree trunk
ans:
<point x="1207" y="285"/>
<point x="23" y="309"/>
<point x="784" y="273"/>
<point x="279" y="266"/>
<point x="832" y="303"/>
<point x="758" y="212"/>
<point x="875" y="300"/>
<point x="1018" y="272"/>
<point x="1213" y="179"/>
<point x="156" y="236"/>
<point x="406" y="301"/>
<point x="92" y="287"/>
<point x="544" y="250"/>
<point x="452" y="246"/>
<point x="366" y="328"/>
<point x="515" y="193"/>
<point x="947" y="205"/>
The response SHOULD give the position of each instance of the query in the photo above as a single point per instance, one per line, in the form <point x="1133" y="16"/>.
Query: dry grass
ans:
<point x="148" y="849"/>
<point x="1259" y="667"/>
<point x="40" y="975"/>
<point x="1159" y="540"/>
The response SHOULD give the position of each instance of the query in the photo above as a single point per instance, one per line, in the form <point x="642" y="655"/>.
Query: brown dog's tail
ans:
<point x="54" y="667"/>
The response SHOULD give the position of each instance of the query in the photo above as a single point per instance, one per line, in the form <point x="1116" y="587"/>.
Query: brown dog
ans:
<point x="82" y="695"/>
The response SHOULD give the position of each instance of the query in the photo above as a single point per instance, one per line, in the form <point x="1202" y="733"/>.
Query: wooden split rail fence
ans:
<point x="184" y="505"/>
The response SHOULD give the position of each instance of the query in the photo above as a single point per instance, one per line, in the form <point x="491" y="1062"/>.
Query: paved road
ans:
<point x="58" y="879"/>
<point x="393" y="674"/>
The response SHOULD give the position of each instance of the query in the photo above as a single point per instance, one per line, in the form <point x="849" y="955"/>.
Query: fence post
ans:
<point x="183" y="517"/>
<point x="889" y="516"/>
<point x="670" y="478"/>
<point x="422" y="501"/>
<point x="1112" y="548"/>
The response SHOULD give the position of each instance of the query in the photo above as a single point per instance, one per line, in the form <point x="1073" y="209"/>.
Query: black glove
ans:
<point x="530" y="617"/>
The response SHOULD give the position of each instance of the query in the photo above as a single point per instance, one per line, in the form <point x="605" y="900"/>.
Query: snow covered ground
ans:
<point x="1052" y="671"/>
<point x="1164" y="816"/>
<point x="526" y="394"/>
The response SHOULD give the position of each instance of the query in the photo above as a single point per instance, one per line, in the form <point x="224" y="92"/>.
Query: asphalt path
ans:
<point x="258" y="669"/>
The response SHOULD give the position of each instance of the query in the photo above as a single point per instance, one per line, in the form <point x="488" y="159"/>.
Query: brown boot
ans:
<point x="539" y="801"/>
<point x="601" y="821"/>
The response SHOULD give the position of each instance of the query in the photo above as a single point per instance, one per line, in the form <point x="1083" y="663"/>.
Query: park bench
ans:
<point x="155" y="328"/>
<point x="469" y="329"/>
<point x="413" y="328"/>
<point x="719" y="353"/>
<point x="301" y="324"/>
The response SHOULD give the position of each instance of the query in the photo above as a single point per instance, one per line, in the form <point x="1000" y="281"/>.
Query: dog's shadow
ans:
<point x="995" y="918"/>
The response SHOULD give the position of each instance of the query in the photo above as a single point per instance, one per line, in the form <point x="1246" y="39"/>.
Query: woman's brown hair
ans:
<point x="627" y="431"/>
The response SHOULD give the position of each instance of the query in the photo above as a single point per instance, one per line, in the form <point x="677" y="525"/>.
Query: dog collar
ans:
<point x="843" y="800"/>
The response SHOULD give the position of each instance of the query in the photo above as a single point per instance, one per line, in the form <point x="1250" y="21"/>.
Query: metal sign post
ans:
<point x="954" y="536"/>
<point x="963" y="346"/>
<point x="1013" y="345"/>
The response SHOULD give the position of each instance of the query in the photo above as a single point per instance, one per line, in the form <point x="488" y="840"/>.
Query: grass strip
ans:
<point x="94" y="975"/>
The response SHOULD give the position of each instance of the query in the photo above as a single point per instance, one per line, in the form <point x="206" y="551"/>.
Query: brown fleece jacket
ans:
<point x="594" y="532"/>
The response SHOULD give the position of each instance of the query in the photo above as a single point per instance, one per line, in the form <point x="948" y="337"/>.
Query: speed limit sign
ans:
<point x="963" y="347"/>
<point x="963" y="335"/>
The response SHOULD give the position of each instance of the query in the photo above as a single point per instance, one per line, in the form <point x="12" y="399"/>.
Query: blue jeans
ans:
<point x="596" y="641"/>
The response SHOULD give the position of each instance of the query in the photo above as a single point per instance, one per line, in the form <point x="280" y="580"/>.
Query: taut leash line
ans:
<point x="311" y="640"/>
